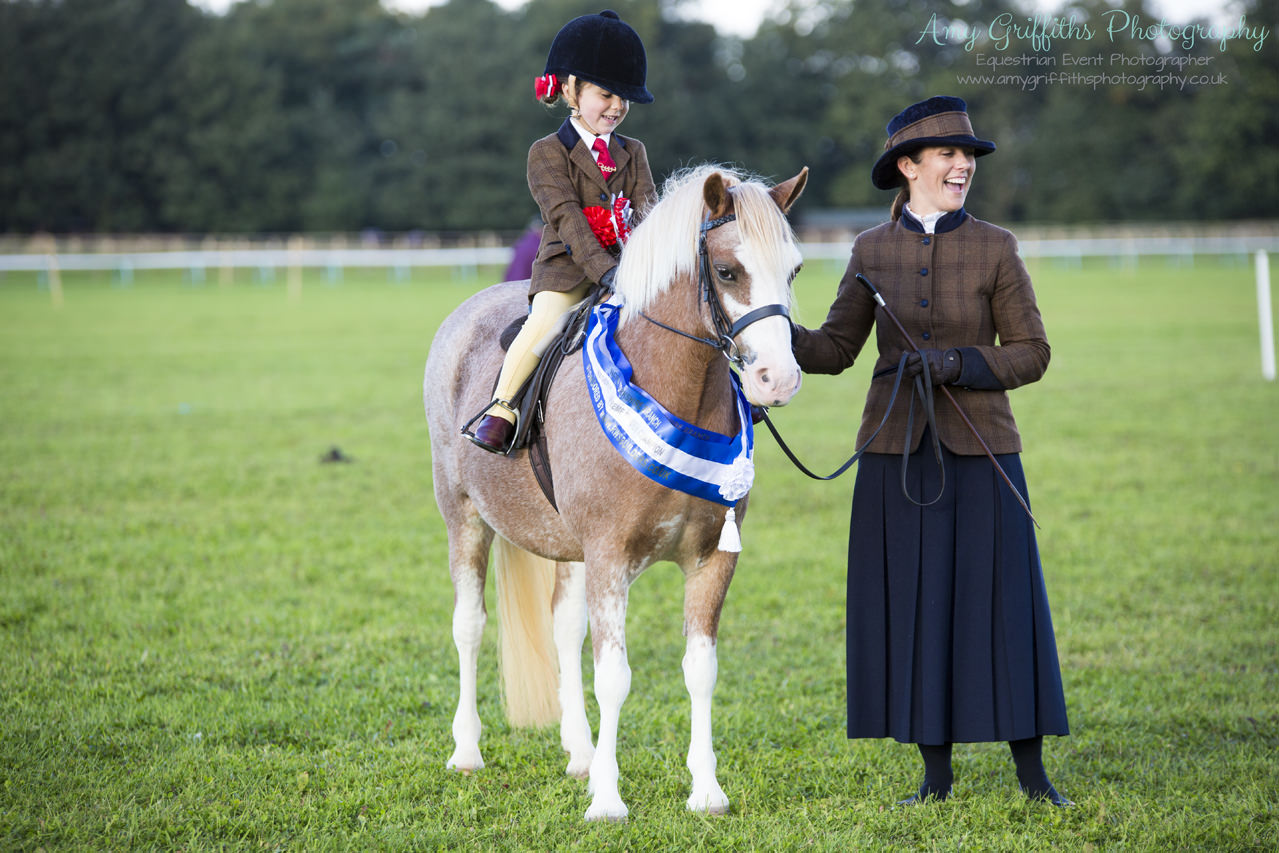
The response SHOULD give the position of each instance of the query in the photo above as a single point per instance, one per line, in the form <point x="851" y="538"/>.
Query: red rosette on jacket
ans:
<point x="622" y="217"/>
<point x="612" y="224"/>
<point x="601" y="222"/>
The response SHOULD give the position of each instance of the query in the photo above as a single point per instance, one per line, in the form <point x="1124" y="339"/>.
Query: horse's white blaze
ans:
<point x="612" y="684"/>
<point x="570" y="631"/>
<point x="770" y="374"/>
<point x="468" y="628"/>
<point x="701" y="670"/>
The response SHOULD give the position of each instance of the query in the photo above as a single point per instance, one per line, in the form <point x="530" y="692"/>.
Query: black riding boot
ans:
<point x="1031" y="776"/>
<point x="938" y="776"/>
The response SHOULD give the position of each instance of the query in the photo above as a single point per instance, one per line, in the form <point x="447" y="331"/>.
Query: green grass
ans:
<point x="210" y="639"/>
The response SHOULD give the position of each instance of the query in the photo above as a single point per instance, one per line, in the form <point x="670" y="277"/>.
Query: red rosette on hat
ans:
<point x="545" y="85"/>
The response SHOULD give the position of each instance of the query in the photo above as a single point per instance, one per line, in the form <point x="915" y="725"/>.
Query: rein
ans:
<point x="923" y="389"/>
<point x="726" y="331"/>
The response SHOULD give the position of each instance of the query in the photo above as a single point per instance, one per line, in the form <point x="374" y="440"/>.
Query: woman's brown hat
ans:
<point x="940" y="120"/>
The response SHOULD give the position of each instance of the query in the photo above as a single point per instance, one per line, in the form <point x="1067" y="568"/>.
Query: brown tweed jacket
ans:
<point x="564" y="178"/>
<point x="965" y="288"/>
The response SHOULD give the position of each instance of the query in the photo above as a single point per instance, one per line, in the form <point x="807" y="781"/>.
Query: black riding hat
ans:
<point x="604" y="50"/>
<point x="940" y="120"/>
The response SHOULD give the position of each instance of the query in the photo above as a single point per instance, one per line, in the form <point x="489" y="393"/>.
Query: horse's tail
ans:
<point x="530" y="672"/>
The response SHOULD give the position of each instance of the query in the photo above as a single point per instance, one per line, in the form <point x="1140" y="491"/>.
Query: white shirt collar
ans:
<point x="929" y="221"/>
<point x="589" y="138"/>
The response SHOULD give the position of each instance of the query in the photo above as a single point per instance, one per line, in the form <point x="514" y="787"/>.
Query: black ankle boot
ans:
<point x="1049" y="796"/>
<point x="493" y="434"/>
<point x="925" y="794"/>
<point x="1031" y="776"/>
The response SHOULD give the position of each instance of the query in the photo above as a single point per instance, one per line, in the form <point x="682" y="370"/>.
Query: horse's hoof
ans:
<point x="715" y="803"/>
<point x="465" y="762"/>
<point x="579" y="762"/>
<point x="613" y="812"/>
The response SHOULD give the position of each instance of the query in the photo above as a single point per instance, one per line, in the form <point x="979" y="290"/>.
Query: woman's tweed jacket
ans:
<point x="963" y="288"/>
<point x="564" y="178"/>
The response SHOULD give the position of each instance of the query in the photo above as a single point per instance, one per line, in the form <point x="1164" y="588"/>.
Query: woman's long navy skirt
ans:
<point x="949" y="633"/>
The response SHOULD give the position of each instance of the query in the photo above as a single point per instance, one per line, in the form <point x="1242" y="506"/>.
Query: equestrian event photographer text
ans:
<point x="1042" y="30"/>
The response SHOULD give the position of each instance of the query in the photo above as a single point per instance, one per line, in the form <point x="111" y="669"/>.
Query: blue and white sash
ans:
<point x="667" y="450"/>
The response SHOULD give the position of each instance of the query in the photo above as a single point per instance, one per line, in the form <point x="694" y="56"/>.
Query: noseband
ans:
<point x="726" y="331"/>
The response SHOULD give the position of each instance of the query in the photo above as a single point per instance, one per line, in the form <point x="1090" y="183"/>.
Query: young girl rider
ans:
<point x="587" y="180"/>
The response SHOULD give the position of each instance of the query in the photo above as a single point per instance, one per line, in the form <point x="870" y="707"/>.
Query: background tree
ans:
<point x="319" y="115"/>
<point x="88" y="101"/>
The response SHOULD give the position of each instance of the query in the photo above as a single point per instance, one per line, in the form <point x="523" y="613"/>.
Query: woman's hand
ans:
<point x="944" y="366"/>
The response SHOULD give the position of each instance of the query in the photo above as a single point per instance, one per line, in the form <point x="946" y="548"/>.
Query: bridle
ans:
<point x="726" y="331"/>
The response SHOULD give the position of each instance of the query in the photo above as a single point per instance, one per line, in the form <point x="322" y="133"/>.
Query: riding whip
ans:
<point x="879" y="300"/>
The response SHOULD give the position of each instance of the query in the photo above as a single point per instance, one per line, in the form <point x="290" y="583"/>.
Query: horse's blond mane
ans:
<point x="663" y="248"/>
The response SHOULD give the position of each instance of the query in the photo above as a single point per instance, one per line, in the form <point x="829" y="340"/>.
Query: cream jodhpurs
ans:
<point x="546" y="318"/>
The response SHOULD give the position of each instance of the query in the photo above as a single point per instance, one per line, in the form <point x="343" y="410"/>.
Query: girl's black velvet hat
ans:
<point x="603" y="50"/>
<point x="940" y="120"/>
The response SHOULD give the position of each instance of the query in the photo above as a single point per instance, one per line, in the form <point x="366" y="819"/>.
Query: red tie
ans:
<point x="606" y="164"/>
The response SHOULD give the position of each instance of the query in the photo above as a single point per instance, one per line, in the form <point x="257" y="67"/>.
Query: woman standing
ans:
<point x="949" y="633"/>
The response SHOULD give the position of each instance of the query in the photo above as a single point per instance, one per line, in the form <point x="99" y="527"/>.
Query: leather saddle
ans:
<point x="530" y="400"/>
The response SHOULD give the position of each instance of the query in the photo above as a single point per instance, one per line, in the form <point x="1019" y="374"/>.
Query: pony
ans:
<point x="707" y="273"/>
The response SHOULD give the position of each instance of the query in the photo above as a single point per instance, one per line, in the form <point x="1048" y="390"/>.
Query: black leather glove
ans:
<point x="944" y="366"/>
<point x="606" y="280"/>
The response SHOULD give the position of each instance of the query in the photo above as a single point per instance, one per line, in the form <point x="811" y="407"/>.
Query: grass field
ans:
<point x="213" y="640"/>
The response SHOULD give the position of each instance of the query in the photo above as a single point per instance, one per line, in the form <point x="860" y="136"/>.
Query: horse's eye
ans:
<point x="724" y="273"/>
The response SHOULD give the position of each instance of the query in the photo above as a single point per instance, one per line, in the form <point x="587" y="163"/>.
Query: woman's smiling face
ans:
<point x="939" y="182"/>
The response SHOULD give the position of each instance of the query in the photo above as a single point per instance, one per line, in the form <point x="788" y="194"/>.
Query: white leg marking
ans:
<point x="700" y="672"/>
<point x="468" y="628"/>
<point x="612" y="684"/>
<point x="570" y="632"/>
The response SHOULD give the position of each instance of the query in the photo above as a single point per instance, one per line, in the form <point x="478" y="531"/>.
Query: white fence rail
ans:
<point x="44" y="259"/>
<point x="258" y="259"/>
<point x="392" y="258"/>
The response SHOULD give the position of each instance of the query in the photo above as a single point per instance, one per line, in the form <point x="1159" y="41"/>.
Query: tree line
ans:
<point x="339" y="115"/>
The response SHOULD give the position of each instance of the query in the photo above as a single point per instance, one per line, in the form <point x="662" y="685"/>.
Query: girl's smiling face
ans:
<point x="598" y="109"/>
<point x="939" y="182"/>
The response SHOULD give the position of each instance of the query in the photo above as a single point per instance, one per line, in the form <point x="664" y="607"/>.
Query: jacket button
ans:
<point x="927" y="240"/>
<point x="923" y="303"/>
<point x="603" y="196"/>
<point x="924" y="271"/>
<point x="926" y="336"/>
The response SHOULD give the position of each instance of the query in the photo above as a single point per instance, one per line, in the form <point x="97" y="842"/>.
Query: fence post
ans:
<point x="296" y="244"/>
<point x="51" y="269"/>
<point x="1264" y="317"/>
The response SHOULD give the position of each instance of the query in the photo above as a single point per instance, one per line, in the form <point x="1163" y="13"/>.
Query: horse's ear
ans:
<point x="787" y="192"/>
<point x="715" y="194"/>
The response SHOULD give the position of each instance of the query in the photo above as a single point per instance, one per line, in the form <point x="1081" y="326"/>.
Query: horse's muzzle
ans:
<point x="771" y="382"/>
